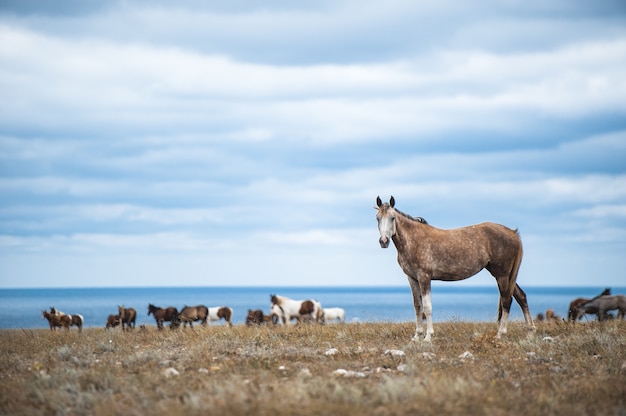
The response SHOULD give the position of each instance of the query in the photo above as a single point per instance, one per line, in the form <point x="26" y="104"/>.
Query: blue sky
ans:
<point x="159" y="143"/>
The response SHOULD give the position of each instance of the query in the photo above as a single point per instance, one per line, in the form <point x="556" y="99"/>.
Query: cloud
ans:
<point x="254" y="139"/>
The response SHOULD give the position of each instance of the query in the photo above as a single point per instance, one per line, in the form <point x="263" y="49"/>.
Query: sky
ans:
<point x="159" y="143"/>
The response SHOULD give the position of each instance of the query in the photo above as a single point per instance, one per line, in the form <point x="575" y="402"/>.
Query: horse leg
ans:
<point x="428" y="307"/>
<point x="504" y="307"/>
<point x="417" y="304"/>
<point x="522" y="301"/>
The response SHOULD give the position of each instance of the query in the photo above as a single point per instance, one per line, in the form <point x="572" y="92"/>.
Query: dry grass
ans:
<point x="561" y="369"/>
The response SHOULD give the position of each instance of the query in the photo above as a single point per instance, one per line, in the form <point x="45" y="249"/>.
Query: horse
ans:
<point x="287" y="309"/>
<point x="334" y="314"/>
<point x="572" y="312"/>
<point x="127" y="316"/>
<point x="221" y="312"/>
<point x="603" y="304"/>
<point x="169" y="314"/>
<point x="57" y="321"/>
<point x="112" y="321"/>
<point x="552" y="316"/>
<point x="77" y="319"/>
<point x="191" y="314"/>
<point x="426" y="253"/>
<point x="257" y="317"/>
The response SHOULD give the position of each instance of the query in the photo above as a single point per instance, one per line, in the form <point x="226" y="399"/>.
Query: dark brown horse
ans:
<point x="112" y="321"/>
<point x="572" y="312"/>
<point x="191" y="314"/>
<point x="169" y="314"/>
<point x="128" y="316"/>
<point x="257" y="317"/>
<point x="426" y="253"/>
<point x="57" y="321"/>
<point x="603" y="304"/>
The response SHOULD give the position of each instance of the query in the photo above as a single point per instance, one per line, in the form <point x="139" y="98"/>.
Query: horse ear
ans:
<point x="378" y="201"/>
<point x="392" y="202"/>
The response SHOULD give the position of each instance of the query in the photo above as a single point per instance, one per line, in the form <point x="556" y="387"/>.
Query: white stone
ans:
<point x="395" y="353"/>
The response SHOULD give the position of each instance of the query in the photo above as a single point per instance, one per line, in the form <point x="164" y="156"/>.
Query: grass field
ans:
<point x="356" y="368"/>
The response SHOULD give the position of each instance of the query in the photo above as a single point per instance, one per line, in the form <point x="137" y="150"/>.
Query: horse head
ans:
<point x="386" y="217"/>
<point x="275" y="300"/>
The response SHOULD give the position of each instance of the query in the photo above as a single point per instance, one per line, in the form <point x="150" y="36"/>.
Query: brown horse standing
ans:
<point x="127" y="316"/>
<point x="427" y="253"/>
<point x="169" y="314"/>
<point x="191" y="314"/>
<point x="57" y="321"/>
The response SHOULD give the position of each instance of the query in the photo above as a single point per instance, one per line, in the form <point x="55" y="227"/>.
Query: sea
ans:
<point x="21" y="308"/>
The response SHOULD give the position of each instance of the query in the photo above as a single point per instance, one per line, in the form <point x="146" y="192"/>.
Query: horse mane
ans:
<point x="412" y="218"/>
<point x="276" y="300"/>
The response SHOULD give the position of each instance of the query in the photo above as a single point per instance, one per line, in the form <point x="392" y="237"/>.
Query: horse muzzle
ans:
<point x="384" y="242"/>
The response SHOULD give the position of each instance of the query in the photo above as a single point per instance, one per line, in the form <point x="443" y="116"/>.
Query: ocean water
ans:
<point x="21" y="308"/>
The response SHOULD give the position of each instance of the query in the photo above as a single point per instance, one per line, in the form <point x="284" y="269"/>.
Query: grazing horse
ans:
<point x="603" y="304"/>
<point x="287" y="309"/>
<point x="57" y="321"/>
<point x="221" y="312"/>
<point x="426" y="253"/>
<point x="572" y="312"/>
<point x="128" y="316"/>
<point x="257" y="317"/>
<point x="112" y="321"/>
<point x="334" y="314"/>
<point x="169" y="314"/>
<point x="191" y="314"/>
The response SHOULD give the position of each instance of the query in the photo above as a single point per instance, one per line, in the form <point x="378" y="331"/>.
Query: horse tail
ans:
<point x="516" y="265"/>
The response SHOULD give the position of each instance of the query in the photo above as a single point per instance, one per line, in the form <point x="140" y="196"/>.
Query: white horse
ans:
<point x="334" y="314"/>
<point x="221" y="312"/>
<point x="303" y="310"/>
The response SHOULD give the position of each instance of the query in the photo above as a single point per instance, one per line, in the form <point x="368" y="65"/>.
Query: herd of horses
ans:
<point x="601" y="306"/>
<point x="424" y="253"/>
<point x="283" y="310"/>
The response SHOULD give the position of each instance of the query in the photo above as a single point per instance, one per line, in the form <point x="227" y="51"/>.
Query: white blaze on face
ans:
<point x="386" y="221"/>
